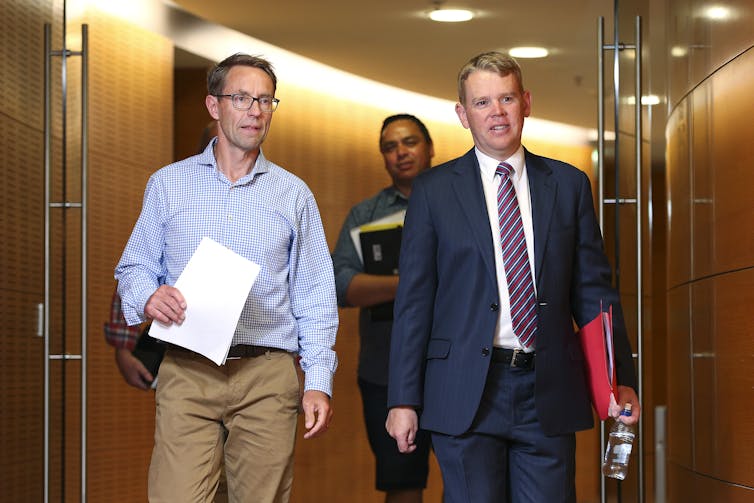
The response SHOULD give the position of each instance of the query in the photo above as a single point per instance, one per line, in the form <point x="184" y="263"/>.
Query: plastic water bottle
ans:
<point x="619" y="446"/>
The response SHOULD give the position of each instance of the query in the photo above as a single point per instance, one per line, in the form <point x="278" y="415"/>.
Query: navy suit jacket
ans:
<point x="447" y="303"/>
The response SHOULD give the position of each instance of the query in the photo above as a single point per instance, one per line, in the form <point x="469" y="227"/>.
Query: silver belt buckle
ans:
<point x="514" y="356"/>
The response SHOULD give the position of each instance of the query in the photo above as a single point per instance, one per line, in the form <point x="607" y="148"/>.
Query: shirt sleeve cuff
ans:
<point x="319" y="379"/>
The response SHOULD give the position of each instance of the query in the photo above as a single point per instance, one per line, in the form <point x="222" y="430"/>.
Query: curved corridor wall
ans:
<point x="710" y="172"/>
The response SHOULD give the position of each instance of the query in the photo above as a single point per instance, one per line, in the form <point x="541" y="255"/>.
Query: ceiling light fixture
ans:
<point x="717" y="12"/>
<point x="678" y="51"/>
<point x="528" y="52"/>
<point x="451" y="15"/>
<point x="647" y="100"/>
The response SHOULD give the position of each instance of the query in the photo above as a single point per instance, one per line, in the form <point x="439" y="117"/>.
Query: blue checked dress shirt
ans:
<point x="269" y="217"/>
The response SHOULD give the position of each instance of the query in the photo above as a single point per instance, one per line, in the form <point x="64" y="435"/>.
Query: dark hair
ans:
<point x="408" y="117"/>
<point x="493" y="61"/>
<point x="217" y="74"/>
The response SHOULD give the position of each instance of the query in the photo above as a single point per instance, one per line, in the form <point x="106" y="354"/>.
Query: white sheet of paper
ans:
<point x="393" y="218"/>
<point x="215" y="283"/>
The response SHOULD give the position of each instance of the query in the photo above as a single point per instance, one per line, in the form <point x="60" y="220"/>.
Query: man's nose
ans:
<point x="498" y="108"/>
<point x="255" y="108"/>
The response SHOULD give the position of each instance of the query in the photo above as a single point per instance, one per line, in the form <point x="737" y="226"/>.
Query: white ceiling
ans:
<point x="392" y="41"/>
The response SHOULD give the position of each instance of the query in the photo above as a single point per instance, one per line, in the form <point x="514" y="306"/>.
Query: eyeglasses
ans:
<point x="245" y="102"/>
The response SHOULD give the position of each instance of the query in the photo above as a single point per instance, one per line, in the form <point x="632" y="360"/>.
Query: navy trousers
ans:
<point x="505" y="456"/>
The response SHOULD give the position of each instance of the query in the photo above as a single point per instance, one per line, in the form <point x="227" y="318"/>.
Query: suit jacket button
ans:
<point x="493" y="307"/>
<point x="485" y="351"/>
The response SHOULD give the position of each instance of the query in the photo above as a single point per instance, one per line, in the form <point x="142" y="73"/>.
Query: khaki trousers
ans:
<point x="255" y="399"/>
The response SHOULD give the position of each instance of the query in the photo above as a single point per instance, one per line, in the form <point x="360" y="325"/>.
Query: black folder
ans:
<point x="150" y="352"/>
<point x="381" y="248"/>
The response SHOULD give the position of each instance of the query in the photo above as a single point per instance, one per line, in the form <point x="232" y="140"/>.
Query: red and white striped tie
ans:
<point x="516" y="259"/>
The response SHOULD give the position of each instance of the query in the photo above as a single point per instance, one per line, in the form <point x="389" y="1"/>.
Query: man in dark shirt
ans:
<point x="407" y="150"/>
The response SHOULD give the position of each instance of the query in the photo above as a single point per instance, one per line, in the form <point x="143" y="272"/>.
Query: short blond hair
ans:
<point x="492" y="61"/>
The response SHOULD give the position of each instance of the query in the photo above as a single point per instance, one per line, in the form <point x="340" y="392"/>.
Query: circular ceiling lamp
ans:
<point x="528" y="52"/>
<point x="448" y="15"/>
<point x="451" y="15"/>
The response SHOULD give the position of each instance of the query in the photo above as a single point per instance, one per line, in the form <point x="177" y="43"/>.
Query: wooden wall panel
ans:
<point x="731" y="154"/>
<point x="703" y="378"/>
<point x="22" y="53"/>
<point x="679" y="422"/>
<point x="21" y="384"/>
<point x="701" y="44"/>
<point x="121" y="418"/>
<point x="733" y="298"/>
<point x="712" y="459"/>
<point x="22" y="210"/>
<point x="678" y="192"/>
<point x="131" y="135"/>
<point x="190" y="113"/>
<point x="686" y="485"/>
<point x="680" y="483"/>
<point x="21" y="254"/>
<point x="130" y="118"/>
<point x="702" y="184"/>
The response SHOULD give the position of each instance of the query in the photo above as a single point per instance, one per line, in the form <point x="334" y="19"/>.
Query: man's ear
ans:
<point x="461" y="113"/>
<point x="211" y="102"/>
<point x="527" y="103"/>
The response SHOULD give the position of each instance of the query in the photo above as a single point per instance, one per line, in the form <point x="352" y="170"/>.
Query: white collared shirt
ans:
<point x="504" y="336"/>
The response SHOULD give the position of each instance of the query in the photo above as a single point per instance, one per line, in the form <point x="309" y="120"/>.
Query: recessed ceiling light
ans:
<point x="528" y="52"/>
<point x="451" y="15"/>
<point x="649" y="99"/>
<point x="717" y="12"/>
<point x="678" y="51"/>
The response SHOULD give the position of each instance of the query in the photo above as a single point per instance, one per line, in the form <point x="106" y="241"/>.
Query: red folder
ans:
<point x="597" y="343"/>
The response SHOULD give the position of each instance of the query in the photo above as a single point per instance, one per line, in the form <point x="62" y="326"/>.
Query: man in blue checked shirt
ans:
<point x="232" y="194"/>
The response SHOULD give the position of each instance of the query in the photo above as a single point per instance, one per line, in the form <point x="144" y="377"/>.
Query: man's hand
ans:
<point x="628" y="395"/>
<point x="402" y="424"/>
<point x="166" y="305"/>
<point x="317" y="413"/>
<point x="133" y="371"/>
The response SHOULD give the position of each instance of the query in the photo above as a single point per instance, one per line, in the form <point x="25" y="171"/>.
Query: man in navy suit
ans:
<point x="503" y="403"/>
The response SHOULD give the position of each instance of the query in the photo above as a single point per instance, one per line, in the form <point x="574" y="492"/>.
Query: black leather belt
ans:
<point x="513" y="357"/>
<point x="249" y="351"/>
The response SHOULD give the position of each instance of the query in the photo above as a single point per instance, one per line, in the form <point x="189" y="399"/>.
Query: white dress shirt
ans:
<point x="504" y="336"/>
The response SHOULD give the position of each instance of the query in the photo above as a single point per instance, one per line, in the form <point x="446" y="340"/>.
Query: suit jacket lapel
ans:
<point x="468" y="189"/>
<point x="542" y="190"/>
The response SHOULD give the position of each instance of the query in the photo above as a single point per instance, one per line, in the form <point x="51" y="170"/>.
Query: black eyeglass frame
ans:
<point x="234" y="101"/>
